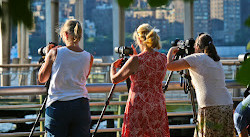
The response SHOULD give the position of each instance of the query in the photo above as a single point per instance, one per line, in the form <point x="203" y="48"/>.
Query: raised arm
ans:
<point x="175" y="65"/>
<point x="127" y="69"/>
<point x="45" y="70"/>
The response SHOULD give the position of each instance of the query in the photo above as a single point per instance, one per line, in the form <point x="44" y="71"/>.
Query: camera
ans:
<point x="123" y="51"/>
<point x="42" y="51"/>
<point x="185" y="47"/>
<point x="243" y="57"/>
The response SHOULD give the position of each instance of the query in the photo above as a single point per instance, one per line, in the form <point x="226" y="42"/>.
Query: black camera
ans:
<point x="185" y="47"/>
<point x="42" y="51"/>
<point x="243" y="57"/>
<point x="124" y="51"/>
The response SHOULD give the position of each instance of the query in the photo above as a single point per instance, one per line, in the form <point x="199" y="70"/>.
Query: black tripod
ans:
<point x="187" y="85"/>
<point x="41" y="110"/>
<point x="246" y="92"/>
<point x="108" y="99"/>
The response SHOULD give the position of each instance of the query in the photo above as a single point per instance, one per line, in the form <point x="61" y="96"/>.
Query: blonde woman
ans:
<point x="215" y="113"/>
<point x="67" y="108"/>
<point x="145" y="114"/>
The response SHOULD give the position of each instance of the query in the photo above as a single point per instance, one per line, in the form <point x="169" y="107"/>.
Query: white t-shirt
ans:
<point x="69" y="76"/>
<point x="208" y="79"/>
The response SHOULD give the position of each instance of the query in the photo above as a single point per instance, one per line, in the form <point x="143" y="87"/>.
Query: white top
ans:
<point x="69" y="75"/>
<point x="208" y="79"/>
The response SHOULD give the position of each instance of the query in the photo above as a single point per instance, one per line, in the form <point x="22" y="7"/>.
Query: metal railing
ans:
<point x="92" y="88"/>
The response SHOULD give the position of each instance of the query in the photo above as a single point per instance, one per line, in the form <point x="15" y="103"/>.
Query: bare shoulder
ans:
<point x="133" y="59"/>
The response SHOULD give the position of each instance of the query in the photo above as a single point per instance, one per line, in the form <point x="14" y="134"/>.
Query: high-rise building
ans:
<point x="216" y="9"/>
<point x="232" y="20"/>
<point x="201" y="16"/>
<point x="178" y="6"/>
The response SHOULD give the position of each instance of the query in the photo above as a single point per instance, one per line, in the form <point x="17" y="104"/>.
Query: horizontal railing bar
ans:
<point x="38" y="65"/>
<point x="106" y="130"/>
<point x="183" y="126"/>
<point x="95" y="117"/>
<point x="92" y="88"/>
<point x="20" y="120"/>
<point x="224" y="61"/>
<point x="4" y="107"/>
<point x="22" y="90"/>
<point x="18" y="134"/>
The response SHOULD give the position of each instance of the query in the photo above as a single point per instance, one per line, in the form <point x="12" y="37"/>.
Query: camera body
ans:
<point x="42" y="51"/>
<point x="185" y="47"/>
<point x="123" y="51"/>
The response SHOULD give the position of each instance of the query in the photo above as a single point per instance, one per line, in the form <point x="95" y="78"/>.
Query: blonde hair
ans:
<point x="148" y="36"/>
<point x="72" y="27"/>
<point x="205" y="43"/>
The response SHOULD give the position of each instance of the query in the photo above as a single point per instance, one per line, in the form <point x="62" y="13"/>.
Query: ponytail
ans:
<point x="72" y="27"/>
<point x="205" y="43"/>
<point x="148" y="36"/>
<point x="77" y="32"/>
<point x="152" y="40"/>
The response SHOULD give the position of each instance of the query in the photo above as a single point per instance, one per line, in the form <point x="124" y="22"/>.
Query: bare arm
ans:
<point x="128" y="68"/>
<point x="90" y="66"/>
<point x="45" y="70"/>
<point x="176" y="65"/>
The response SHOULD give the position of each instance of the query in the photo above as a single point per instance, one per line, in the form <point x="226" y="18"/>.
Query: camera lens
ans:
<point x="243" y="57"/>
<point x="116" y="49"/>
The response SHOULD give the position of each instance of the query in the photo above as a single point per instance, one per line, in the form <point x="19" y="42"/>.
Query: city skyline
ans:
<point x="220" y="18"/>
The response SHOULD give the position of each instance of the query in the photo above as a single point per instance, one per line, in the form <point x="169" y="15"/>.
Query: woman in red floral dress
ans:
<point x="145" y="114"/>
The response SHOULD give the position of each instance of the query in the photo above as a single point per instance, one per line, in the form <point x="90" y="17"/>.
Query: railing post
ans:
<point x="23" y="79"/>
<point x="42" y="97"/>
<point x="121" y="108"/>
<point x="5" y="42"/>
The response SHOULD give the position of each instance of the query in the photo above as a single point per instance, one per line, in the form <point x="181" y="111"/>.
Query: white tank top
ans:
<point x="69" y="75"/>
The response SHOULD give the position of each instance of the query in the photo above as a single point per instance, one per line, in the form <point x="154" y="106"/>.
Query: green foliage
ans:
<point x="19" y="11"/>
<point x="125" y="3"/>
<point x="157" y="3"/>
<point x="243" y="75"/>
<point x="247" y="22"/>
<point x="248" y="46"/>
<point x="1" y="12"/>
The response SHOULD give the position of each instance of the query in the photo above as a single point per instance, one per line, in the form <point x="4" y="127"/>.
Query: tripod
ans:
<point x="41" y="110"/>
<point x="108" y="99"/>
<point x="187" y="85"/>
<point x="246" y="92"/>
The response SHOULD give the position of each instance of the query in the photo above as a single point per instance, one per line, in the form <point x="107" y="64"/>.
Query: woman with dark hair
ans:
<point x="215" y="105"/>
<point x="145" y="114"/>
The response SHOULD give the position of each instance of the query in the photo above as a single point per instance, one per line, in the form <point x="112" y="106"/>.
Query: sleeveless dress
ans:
<point x="145" y="113"/>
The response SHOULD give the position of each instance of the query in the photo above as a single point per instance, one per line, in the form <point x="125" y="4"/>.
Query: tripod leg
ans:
<point x="167" y="82"/>
<point x="38" y="117"/>
<point x="193" y="106"/>
<point x="104" y="109"/>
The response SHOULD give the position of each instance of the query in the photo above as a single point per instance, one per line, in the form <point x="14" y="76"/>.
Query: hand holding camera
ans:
<point x="43" y="51"/>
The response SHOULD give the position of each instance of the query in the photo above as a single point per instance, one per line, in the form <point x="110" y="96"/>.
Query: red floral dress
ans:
<point x="146" y="114"/>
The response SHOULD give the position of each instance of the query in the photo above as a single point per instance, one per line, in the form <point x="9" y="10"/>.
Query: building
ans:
<point x="216" y="9"/>
<point x="232" y="20"/>
<point x="201" y="17"/>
